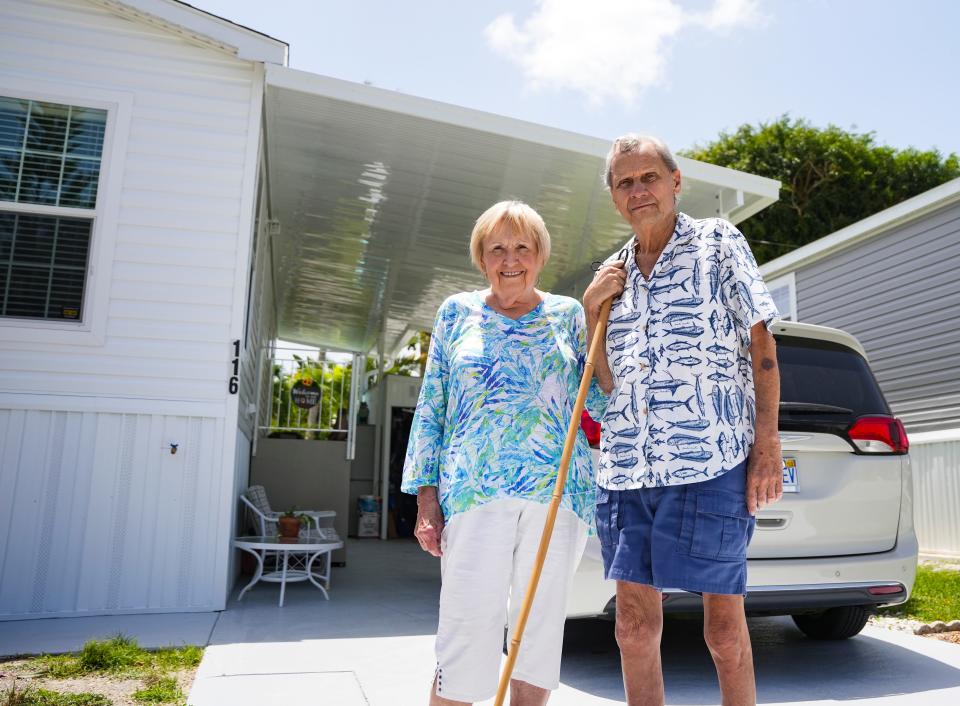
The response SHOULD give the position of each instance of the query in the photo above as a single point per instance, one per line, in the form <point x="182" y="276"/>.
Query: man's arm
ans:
<point x="765" y="467"/>
<point x="609" y="282"/>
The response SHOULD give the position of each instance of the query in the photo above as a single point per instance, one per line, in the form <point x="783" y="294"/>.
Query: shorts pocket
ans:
<point x="722" y="527"/>
<point x="606" y="516"/>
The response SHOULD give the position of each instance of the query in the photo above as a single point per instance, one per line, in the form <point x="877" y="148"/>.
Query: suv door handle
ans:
<point x="773" y="520"/>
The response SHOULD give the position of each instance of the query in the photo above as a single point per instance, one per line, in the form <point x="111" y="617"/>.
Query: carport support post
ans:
<point x="383" y="432"/>
<point x="357" y="369"/>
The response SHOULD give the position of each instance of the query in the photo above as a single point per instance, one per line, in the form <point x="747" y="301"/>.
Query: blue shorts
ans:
<point x="693" y="537"/>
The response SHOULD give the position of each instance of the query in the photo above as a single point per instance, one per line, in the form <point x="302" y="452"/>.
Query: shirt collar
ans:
<point x="683" y="229"/>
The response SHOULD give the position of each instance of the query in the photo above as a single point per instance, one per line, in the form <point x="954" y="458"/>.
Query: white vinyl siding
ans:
<point x="261" y="329"/>
<point x="898" y="293"/>
<point x="784" y="292"/>
<point x="99" y="516"/>
<point x="88" y="409"/>
<point x="171" y="282"/>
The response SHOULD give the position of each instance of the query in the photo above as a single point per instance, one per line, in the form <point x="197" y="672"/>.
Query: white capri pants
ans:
<point x="488" y="555"/>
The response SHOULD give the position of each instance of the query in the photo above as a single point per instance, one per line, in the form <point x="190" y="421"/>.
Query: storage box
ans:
<point x="368" y="524"/>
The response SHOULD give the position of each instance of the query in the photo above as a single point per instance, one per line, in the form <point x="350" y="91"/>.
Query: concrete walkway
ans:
<point x="372" y="645"/>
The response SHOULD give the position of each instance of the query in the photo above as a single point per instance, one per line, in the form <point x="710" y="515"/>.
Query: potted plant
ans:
<point x="290" y="523"/>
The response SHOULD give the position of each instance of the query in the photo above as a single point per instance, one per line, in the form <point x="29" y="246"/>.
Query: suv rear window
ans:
<point x="824" y="384"/>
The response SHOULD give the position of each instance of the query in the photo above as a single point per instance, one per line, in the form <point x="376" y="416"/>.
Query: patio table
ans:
<point x="310" y="545"/>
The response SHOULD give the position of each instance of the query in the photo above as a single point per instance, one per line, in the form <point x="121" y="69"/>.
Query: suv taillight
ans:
<point x="879" y="435"/>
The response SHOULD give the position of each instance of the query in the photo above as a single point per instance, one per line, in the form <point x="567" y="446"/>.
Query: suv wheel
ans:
<point x="834" y="623"/>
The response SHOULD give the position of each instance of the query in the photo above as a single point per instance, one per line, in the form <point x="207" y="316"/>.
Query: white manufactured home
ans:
<point x="174" y="199"/>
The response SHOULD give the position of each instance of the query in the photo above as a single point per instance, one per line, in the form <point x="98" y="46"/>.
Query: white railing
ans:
<point x="310" y="395"/>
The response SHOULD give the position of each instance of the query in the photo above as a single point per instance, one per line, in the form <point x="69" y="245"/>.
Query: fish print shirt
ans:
<point x="495" y="404"/>
<point x="683" y="405"/>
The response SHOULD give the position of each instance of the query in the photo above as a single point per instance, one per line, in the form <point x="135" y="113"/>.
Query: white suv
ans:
<point x="841" y="541"/>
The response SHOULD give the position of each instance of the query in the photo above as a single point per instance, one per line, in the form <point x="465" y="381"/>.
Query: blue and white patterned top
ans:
<point x="495" y="403"/>
<point x="683" y="406"/>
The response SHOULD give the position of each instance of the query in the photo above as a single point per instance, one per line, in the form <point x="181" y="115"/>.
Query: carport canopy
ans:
<point x="373" y="194"/>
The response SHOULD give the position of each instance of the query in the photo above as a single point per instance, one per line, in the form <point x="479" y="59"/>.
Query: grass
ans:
<point x="159" y="690"/>
<point x="42" y="697"/>
<point x="119" y="656"/>
<point x="936" y="596"/>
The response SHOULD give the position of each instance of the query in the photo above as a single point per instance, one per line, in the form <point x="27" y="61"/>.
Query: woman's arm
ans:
<point x="421" y="468"/>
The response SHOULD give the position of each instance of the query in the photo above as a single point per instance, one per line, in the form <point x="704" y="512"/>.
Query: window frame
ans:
<point x="90" y="329"/>
<point x="789" y="281"/>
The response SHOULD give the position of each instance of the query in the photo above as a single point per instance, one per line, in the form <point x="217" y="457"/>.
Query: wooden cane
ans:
<point x="514" y="648"/>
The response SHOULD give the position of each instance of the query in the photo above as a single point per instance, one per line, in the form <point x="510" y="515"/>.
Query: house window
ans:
<point x="784" y="292"/>
<point x="50" y="158"/>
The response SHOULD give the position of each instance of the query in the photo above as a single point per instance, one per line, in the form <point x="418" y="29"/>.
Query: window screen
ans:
<point x="43" y="263"/>
<point x="49" y="157"/>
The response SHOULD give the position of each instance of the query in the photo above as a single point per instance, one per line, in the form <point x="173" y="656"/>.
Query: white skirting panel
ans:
<point x="936" y="479"/>
<point x="97" y="516"/>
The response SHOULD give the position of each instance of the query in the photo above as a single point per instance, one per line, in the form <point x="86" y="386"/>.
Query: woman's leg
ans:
<point x="538" y="663"/>
<point x="476" y="566"/>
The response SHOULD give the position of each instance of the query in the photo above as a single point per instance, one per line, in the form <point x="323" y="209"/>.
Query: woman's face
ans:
<point x="511" y="261"/>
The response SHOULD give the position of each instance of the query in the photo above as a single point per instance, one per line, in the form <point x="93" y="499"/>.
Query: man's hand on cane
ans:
<point x="608" y="282"/>
<point x="429" y="520"/>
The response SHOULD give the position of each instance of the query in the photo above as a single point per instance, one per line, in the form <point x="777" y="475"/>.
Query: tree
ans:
<point x="829" y="178"/>
<point x="414" y="359"/>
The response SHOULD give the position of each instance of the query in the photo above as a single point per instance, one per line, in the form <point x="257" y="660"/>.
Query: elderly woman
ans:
<point x="499" y="388"/>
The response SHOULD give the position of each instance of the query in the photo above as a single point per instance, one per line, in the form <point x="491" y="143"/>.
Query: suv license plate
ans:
<point x="790" y="474"/>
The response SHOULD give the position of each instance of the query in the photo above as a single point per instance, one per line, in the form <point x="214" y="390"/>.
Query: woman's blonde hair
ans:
<point x="516" y="215"/>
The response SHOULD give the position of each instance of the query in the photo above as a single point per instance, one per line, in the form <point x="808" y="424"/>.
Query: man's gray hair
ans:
<point x="632" y="142"/>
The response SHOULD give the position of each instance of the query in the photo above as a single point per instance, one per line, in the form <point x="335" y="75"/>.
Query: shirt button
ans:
<point x="643" y="408"/>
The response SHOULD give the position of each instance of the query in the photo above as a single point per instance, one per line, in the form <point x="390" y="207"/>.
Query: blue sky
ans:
<point x="680" y="69"/>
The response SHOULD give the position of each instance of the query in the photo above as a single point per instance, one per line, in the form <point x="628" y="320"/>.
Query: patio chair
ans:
<point x="264" y="518"/>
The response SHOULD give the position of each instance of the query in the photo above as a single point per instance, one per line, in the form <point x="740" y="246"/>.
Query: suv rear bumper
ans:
<point x="778" y="600"/>
<point x="781" y="586"/>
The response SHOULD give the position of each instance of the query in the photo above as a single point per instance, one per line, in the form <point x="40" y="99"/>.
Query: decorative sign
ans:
<point x="305" y="394"/>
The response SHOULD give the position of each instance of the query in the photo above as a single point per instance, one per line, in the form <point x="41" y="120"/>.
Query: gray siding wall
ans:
<point x="899" y="294"/>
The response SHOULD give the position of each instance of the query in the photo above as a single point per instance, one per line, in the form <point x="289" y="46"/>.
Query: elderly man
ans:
<point x="690" y="448"/>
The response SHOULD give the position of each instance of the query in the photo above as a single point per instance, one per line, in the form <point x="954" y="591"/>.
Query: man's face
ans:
<point x="643" y="188"/>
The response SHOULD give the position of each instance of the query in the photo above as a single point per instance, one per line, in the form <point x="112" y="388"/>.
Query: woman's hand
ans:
<point x="429" y="520"/>
<point x="608" y="282"/>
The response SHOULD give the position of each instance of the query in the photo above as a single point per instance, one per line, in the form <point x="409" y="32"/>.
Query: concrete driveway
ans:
<point x="372" y="643"/>
<point x="876" y="667"/>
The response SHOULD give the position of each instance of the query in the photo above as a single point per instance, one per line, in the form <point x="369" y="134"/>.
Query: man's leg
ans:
<point x="727" y="637"/>
<point x="638" y="631"/>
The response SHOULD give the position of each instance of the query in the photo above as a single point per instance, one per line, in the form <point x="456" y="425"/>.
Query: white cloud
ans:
<point x="729" y="14"/>
<point x="605" y="49"/>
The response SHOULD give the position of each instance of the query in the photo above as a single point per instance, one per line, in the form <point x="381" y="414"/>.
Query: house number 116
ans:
<point x="235" y="378"/>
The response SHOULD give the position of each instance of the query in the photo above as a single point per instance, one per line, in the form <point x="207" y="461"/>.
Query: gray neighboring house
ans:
<point x="893" y="281"/>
